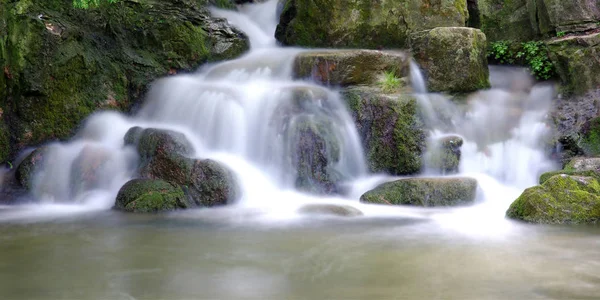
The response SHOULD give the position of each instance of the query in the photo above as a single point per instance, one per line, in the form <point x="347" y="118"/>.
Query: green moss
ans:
<point x="150" y="196"/>
<point x="562" y="199"/>
<point x="426" y="192"/>
<point x="590" y="137"/>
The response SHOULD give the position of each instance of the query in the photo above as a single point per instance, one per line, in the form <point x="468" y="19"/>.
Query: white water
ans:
<point x="238" y="112"/>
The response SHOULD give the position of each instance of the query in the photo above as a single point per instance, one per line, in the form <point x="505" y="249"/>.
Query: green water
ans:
<point x="203" y="256"/>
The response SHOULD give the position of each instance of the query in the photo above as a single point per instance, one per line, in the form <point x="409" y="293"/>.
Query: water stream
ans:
<point x="70" y="245"/>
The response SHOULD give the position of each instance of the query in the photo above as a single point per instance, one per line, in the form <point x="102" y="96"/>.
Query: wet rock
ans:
<point x="330" y="209"/>
<point x="62" y="63"/>
<point x="364" y="23"/>
<point x="164" y="155"/>
<point x="426" y="192"/>
<point x="585" y="173"/>
<point x="87" y="168"/>
<point x="562" y="199"/>
<point x="580" y="164"/>
<point x="30" y="166"/>
<point x="577" y="62"/>
<point x="393" y="136"/>
<point x="444" y="154"/>
<point x="150" y="196"/>
<point x="350" y="67"/>
<point x="316" y="150"/>
<point x="454" y="59"/>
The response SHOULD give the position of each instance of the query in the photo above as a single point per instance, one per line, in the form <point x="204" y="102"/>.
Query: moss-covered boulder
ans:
<point x="584" y="164"/>
<point x="364" y="23"/>
<point x="562" y="199"/>
<point x="330" y="210"/>
<point x="150" y="196"/>
<point x="392" y="133"/>
<point x="577" y="62"/>
<point x="507" y="20"/>
<point x="350" y="67"/>
<point x="165" y="155"/>
<point x="32" y="164"/>
<point x="443" y="155"/>
<point x="315" y="150"/>
<point x="585" y="173"/>
<point x="428" y="192"/>
<point x="60" y="63"/>
<point x="454" y="59"/>
<point x="589" y="137"/>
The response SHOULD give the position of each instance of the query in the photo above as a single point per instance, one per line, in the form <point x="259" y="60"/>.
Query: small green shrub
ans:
<point x="84" y="4"/>
<point x="533" y="54"/>
<point x="389" y="83"/>
<point x="561" y="34"/>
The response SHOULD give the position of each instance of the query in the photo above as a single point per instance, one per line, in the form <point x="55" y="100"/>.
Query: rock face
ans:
<point x="562" y="199"/>
<point x="426" y="192"/>
<point x="364" y="23"/>
<point x="454" y="59"/>
<point x="60" y="63"/>
<point x="577" y="62"/>
<point x="393" y="136"/>
<point x="150" y="196"/>
<point x="350" y="67"/>
<point x="590" y="137"/>
<point x="525" y="20"/>
<point x="164" y="155"/>
<point x="444" y="154"/>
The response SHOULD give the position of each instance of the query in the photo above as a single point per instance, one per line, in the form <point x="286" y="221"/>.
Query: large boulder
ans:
<point x="60" y="63"/>
<point x="364" y="23"/>
<point x="454" y="59"/>
<point x="507" y="20"/>
<point x="30" y="165"/>
<point x="87" y="169"/>
<point x="164" y="155"/>
<point x="428" y="192"/>
<point x="350" y="67"/>
<point x="562" y="199"/>
<point x="150" y="196"/>
<point x="392" y="133"/>
<point x="577" y="62"/>
<point x="571" y="16"/>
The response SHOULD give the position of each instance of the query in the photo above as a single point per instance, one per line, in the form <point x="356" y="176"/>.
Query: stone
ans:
<point x="562" y="199"/>
<point x="507" y="20"/>
<point x="150" y="196"/>
<point x="572" y="16"/>
<point x="443" y="155"/>
<point x="32" y="164"/>
<point x="454" y="59"/>
<point x="580" y="164"/>
<point x="87" y="168"/>
<point x="391" y="131"/>
<point x="577" y="62"/>
<point x="330" y="209"/>
<point x="350" y="67"/>
<point x="364" y="23"/>
<point x="427" y="192"/>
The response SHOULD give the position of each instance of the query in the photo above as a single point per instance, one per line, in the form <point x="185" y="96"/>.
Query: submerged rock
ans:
<point x="393" y="136"/>
<point x="364" y="23"/>
<point x="562" y="199"/>
<point x="428" y="192"/>
<point x="150" y="196"/>
<point x="164" y="155"/>
<point x="60" y="63"/>
<point x="454" y="59"/>
<point x="577" y="62"/>
<point x="330" y="209"/>
<point x="350" y="67"/>
<point x="444" y="154"/>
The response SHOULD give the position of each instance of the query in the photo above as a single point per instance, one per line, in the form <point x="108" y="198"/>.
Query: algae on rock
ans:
<point x="150" y="196"/>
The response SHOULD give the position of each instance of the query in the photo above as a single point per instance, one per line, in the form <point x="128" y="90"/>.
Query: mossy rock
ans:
<point x="150" y="196"/>
<point x="586" y="173"/>
<point x="212" y="184"/>
<point x="562" y="199"/>
<point x="508" y="20"/>
<point x="577" y="62"/>
<point x="454" y="59"/>
<point x="364" y="23"/>
<point x="31" y="165"/>
<point x="443" y="155"/>
<point x="589" y="137"/>
<point x="61" y="63"/>
<point x="572" y="16"/>
<point x="350" y="67"/>
<point x="392" y="133"/>
<point x="427" y="192"/>
<point x="584" y="164"/>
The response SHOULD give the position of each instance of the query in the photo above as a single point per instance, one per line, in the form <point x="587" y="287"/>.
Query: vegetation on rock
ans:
<point x="150" y="196"/>
<point x="533" y="54"/>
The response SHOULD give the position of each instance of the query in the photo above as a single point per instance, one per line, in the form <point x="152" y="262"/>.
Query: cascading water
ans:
<point x="245" y="112"/>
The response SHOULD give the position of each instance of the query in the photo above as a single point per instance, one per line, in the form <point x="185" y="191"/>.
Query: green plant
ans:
<point x="536" y="56"/>
<point x="501" y="52"/>
<point x="561" y="33"/>
<point x="89" y="3"/>
<point x="389" y="83"/>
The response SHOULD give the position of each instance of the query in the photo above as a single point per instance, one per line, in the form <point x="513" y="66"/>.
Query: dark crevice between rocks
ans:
<point x="474" y="18"/>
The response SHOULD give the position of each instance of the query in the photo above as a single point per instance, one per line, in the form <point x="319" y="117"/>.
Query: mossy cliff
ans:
<point x="61" y="63"/>
<point x="364" y="23"/>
